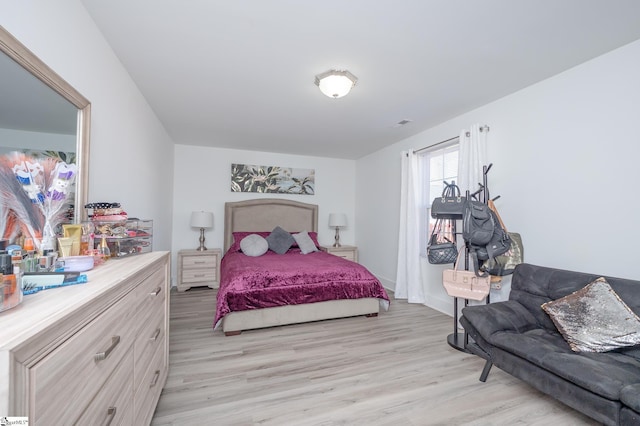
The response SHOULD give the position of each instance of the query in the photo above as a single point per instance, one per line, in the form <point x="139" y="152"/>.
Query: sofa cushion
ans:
<point x="497" y="317"/>
<point x="630" y="396"/>
<point x="594" y="319"/>
<point x="604" y="374"/>
<point x="534" y="345"/>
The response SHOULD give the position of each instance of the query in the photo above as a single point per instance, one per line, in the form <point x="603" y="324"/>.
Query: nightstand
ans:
<point x="198" y="268"/>
<point x="346" y="252"/>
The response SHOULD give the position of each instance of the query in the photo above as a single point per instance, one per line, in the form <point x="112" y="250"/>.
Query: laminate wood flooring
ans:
<point x="394" y="369"/>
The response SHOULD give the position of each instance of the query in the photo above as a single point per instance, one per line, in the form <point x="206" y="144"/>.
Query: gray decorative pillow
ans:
<point x="305" y="242"/>
<point x="594" y="319"/>
<point x="280" y="240"/>
<point x="254" y="245"/>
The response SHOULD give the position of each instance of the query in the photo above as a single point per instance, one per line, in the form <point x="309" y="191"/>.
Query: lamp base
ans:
<point x="337" y="238"/>
<point x="202" y="247"/>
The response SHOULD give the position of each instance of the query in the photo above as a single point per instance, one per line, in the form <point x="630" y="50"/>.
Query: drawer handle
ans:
<point x="199" y="262"/>
<point x="155" y="379"/>
<point x="100" y="356"/>
<point x="156" y="291"/>
<point x="198" y="275"/>
<point x="111" y="414"/>
<point x="155" y="335"/>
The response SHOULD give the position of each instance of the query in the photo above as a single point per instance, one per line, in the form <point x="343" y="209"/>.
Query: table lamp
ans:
<point x="337" y="220"/>
<point x="202" y="220"/>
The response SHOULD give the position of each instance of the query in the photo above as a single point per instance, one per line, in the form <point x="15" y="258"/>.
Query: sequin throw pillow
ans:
<point x="594" y="319"/>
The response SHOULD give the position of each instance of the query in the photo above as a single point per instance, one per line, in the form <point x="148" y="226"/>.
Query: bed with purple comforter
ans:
<point x="293" y="278"/>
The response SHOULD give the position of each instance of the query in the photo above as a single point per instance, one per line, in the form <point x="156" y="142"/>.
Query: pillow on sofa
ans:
<point x="280" y="240"/>
<point x="594" y="319"/>
<point x="305" y="242"/>
<point x="254" y="245"/>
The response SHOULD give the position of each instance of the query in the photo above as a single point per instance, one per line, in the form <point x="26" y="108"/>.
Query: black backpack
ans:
<point x="482" y="230"/>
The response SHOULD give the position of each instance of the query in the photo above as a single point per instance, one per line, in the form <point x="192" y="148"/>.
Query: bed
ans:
<point x="293" y="288"/>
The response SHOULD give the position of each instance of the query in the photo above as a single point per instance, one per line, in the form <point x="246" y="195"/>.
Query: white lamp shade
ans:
<point x="337" y="220"/>
<point x="202" y="219"/>
<point x="336" y="84"/>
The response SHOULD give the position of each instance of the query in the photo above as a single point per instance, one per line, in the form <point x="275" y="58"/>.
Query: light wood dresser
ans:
<point x="93" y="353"/>
<point x="198" y="268"/>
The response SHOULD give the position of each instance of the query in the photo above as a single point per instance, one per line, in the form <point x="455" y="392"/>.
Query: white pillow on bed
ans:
<point x="305" y="242"/>
<point x="254" y="245"/>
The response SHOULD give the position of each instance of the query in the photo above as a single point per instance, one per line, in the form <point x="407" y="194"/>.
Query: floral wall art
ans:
<point x="272" y="179"/>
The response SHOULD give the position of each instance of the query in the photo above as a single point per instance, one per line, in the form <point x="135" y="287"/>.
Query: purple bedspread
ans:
<point x="290" y="279"/>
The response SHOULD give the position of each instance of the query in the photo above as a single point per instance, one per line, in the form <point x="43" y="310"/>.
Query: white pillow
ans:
<point x="305" y="242"/>
<point x="254" y="245"/>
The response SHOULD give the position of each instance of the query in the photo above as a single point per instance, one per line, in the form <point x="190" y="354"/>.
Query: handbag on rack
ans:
<point x="465" y="284"/>
<point x="505" y="263"/>
<point x="450" y="205"/>
<point x="440" y="253"/>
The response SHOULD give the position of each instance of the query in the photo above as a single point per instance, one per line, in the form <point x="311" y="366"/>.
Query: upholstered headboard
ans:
<point x="267" y="213"/>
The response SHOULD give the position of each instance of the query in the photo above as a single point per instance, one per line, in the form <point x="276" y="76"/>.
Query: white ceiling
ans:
<point x="240" y="74"/>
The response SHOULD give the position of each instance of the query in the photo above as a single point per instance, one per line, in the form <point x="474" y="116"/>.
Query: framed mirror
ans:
<point x="44" y="122"/>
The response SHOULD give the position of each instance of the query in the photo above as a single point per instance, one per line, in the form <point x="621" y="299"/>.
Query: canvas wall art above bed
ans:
<point x="273" y="272"/>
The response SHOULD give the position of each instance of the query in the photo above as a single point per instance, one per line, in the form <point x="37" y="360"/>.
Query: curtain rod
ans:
<point x="467" y="134"/>
<point x="434" y="145"/>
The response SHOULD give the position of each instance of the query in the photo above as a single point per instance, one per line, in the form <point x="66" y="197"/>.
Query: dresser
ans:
<point x="346" y="252"/>
<point x="93" y="353"/>
<point x="198" y="268"/>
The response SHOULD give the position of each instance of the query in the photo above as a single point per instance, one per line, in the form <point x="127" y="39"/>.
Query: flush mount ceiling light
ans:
<point x="336" y="83"/>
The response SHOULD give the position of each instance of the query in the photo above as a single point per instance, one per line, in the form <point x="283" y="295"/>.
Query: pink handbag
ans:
<point x="465" y="284"/>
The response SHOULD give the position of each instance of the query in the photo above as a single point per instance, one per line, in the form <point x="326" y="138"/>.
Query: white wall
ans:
<point x="564" y="154"/>
<point x="131" y="153"/>
<point x="203" y="182"/>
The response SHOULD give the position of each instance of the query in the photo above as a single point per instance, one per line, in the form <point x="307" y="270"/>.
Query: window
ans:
<point x="437" y="166"/>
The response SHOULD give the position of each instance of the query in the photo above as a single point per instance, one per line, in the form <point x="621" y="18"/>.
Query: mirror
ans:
<point x="41" y="114"/>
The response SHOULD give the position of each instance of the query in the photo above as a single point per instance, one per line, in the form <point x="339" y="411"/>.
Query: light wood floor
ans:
<point x="396" y="369"/>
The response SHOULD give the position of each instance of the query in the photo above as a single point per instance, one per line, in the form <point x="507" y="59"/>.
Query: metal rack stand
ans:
<point x="457" y="340"/>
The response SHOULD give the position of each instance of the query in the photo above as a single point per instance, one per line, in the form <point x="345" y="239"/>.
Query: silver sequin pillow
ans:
<point x="594" y="319"/>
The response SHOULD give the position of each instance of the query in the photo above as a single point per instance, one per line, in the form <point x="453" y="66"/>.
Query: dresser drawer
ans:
<point x="149" y="341"/>
<point x="151" y="291"/>
<point x="155" y="375"/>
<point x="114" y="404"/>
<point x="65" y="381"/>
<point x="194" y="276"/>
<point x="199" y="261"/>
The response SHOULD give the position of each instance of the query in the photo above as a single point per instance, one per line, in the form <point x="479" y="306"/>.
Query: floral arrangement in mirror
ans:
<point x="38" y="192"/>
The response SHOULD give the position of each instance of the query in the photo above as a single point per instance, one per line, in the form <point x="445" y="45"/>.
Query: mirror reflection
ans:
<point x="43" y="148"/>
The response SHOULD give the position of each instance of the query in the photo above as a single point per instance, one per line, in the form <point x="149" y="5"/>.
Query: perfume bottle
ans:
<point x="104" y="248"/>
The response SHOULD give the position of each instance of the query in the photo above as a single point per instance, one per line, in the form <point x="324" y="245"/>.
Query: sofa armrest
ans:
<point x="501" y="316"/>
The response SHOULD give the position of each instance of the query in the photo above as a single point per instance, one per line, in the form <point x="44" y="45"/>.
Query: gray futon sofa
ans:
<point x="519" y="337"/>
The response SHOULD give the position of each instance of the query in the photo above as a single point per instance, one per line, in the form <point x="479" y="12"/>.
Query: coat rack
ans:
<point x="456" y="340"/>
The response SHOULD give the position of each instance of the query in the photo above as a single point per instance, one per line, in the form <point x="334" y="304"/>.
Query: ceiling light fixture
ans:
<point x="336" y="83"/>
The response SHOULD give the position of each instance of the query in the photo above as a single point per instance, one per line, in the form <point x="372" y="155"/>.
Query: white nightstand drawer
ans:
<point x="345" y="252"/>
<point x="195" y="276"/>
<point x="345" y="255"/>
<point x="199" y="261"/>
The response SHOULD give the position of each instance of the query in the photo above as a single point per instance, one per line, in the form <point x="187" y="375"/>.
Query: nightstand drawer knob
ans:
<point x="156" y="291"/>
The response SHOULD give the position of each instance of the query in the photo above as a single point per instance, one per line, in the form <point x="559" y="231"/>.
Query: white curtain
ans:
<point x="472" y="156"/>
<point x="408" y="276"/>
